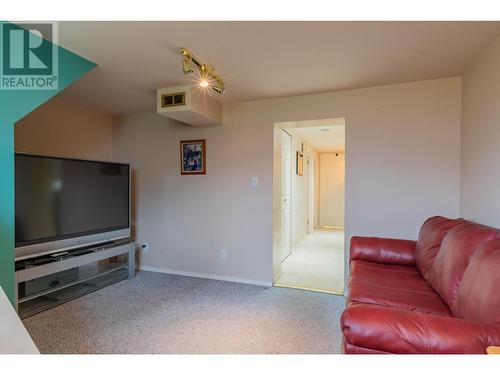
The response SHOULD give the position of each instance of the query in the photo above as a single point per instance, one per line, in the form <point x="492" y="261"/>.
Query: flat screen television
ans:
<point x="66" y="203"/>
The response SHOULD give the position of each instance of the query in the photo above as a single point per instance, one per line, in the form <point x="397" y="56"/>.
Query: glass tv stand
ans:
<point x="49" y="280"/>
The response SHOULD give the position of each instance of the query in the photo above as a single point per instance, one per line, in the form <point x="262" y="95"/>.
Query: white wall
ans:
<point x="66" y="129"/>
<point x="402" y="166"/>
<point x="331" y="205"/>
<point x="480" y="180"/>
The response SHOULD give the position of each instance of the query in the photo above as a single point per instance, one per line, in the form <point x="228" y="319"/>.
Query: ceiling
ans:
<point x="260" y="60"/>
<point x="324" y="138"/>
<point x="324" y="135"/>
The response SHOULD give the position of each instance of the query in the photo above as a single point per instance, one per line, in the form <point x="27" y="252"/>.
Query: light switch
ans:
<point x="254" y="182"/>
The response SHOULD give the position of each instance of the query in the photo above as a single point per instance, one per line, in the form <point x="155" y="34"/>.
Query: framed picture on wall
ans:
<point x="300" y="163"/>
<point x="193" y="157"/>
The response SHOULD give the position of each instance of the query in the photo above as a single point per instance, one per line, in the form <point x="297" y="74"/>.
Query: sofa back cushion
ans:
<point x="479" y="293"/>
<point x="429" y="241"/>
<point x="457" y="248"/>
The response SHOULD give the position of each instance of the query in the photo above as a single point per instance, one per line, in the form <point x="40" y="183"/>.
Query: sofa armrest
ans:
<point x="402" y="331"/>
<point x="383" y="250"/>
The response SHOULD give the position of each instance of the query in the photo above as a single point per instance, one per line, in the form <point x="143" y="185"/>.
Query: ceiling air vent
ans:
<point x="172" y="100"/>
<point x="190" y="105"/>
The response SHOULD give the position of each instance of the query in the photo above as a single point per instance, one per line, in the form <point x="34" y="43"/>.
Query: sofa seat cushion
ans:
<point x="397" y="276"/>
<point x="394" y="286"/>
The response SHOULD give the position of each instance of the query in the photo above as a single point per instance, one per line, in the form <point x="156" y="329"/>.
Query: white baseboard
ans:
<point x="207" y="276"/>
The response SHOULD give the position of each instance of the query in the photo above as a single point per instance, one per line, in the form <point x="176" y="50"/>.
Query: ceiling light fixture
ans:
<point x="209" y="78"/>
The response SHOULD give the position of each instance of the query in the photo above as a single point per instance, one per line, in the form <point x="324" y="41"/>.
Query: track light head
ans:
<point x="219" y="88"/>
<point x="187" y="66"/>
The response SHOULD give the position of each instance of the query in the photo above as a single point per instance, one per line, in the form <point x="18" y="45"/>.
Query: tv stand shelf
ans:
<point x="110" y="269"/>
<point x="46" y="281"/>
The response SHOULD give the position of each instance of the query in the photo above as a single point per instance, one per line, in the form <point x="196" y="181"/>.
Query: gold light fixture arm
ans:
<point x="207" y="71"/>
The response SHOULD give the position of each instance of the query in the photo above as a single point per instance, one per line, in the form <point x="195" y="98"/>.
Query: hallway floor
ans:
<point x="316" y="263"/>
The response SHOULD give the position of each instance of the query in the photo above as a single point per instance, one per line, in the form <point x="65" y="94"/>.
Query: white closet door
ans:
<point x="331" y="189"/>
<point x="286" y="158"/>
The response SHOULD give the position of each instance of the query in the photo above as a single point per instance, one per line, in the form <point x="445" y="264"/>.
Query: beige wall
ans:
<point x="402" y="166"/>
<point x="186" y="220"/>
<point x="65" y="129"/>
<point x="480" y="182"/>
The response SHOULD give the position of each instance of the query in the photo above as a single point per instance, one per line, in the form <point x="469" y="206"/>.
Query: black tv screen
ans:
<point x="59" y="198"/>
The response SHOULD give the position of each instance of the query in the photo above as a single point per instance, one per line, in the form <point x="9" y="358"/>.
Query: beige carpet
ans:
<point x="316" y="263"/>
<point x="158" y="313"/>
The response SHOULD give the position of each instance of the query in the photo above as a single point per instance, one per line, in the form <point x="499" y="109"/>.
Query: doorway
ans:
<point x="309" y="196"/>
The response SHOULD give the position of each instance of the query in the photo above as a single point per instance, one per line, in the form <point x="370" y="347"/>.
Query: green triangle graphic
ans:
<point x="14" y="105"/>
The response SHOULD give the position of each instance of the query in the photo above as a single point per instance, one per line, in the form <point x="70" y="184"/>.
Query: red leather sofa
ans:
<point x="440" y="294"/>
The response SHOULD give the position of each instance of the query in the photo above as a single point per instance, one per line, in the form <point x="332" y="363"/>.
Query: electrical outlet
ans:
<point x="144" y="247"/>
<point x="223" y="254"/>
<point x="254" y="182"/>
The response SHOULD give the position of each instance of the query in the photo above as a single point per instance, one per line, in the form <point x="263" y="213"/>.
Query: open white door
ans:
<point x="286" y="157"/>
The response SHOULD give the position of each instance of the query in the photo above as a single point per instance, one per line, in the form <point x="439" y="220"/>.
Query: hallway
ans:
<point x="317" y="263"/>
